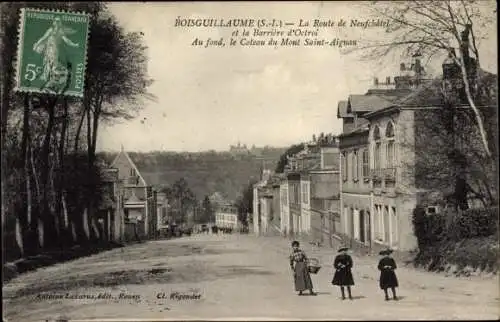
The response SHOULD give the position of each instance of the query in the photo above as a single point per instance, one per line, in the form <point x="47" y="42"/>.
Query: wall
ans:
<point x="294" y="205"/>
<point x="256" y="226"/>
<point x="347" y="124"/>
<point x="305" y="198"/>
<point x="285" y="225"/>
<point x="395" y="200"/>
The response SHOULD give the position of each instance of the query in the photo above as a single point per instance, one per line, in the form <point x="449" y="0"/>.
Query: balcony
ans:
<point x="386" y="173"/>
<point x="389" y="174"/>
<point x="376" y="174"/>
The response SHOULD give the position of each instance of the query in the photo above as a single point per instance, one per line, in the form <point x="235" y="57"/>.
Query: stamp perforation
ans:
<point x="20" y="40"/>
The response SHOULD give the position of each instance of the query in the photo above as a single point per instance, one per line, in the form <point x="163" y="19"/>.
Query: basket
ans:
<point x="313" y="266"/>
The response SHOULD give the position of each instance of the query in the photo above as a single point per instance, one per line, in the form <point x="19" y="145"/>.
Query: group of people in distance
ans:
<point x="342" y="277"/>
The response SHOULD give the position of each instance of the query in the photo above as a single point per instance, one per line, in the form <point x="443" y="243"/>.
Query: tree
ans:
<point x="181" y="199"/>
<point x="437" y="27"/>
<point x="245" y="203"/>
<point x="208" y="211"/>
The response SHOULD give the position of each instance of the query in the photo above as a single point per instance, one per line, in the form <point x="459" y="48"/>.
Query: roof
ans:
<point x="133" y="199"/>
<point x="366" y="103"/>
<point x="429" y="94"/>
<point x="123" y="152"/>
<point x="342" y="110"/>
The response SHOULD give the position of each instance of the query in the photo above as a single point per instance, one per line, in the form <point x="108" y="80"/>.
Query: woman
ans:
<point x="298" y="264"/>
<point x="388" y="278"/>
<point x="343" y="275"/>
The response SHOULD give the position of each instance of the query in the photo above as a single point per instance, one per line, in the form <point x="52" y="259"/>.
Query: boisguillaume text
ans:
<point x="275" y="33"/>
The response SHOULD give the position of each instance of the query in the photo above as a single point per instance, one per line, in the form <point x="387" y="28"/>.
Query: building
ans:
<point x="262" y="203"/>
<point x="226" y="216"/>
<point x="285" y="219"/>
<point x="139" y="200"/>
<point x="394" y="153"/>
<point x="325" y="193"/>
<point x="110" y="217"/>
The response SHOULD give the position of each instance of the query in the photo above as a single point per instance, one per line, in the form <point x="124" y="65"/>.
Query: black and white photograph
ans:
<point x="249" y="160"/>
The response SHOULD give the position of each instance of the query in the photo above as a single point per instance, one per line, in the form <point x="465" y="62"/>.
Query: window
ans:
<point x="348" y="166"/>
<point x="386" y="224"/>
<point x="376" y="133"/>
<point x="344" y="167"/>
<point x="379" y="223"/>
<point x="377" y="161"/>
<point x="132" y="172"/>
<point x="355" y="166"/>
<point x="366" y="164"/>
<point x="377" y="164"/>
<point x="390" y="153"/>
<point x="305" y="193"/>
<point x="284" y="198"/>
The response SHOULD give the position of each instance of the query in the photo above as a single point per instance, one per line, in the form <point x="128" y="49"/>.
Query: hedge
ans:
<point x="471" y="223"/>
<point x="475" y="223"/>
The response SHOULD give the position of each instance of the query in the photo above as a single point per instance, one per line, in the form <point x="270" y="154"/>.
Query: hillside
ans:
<point x="205" y="172"/>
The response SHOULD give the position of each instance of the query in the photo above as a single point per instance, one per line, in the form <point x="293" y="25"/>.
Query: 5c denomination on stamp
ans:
<point x="52" y="52"/>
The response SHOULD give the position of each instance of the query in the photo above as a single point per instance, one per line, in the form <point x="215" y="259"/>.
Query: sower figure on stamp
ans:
<point x="50" y="47"/>
<point x="343" y="276"/>
<point x="388" y="278"/>
<point x="298" y="264"/>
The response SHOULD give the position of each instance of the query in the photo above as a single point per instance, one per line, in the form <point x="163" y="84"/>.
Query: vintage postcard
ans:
<point x="281" y="160"/>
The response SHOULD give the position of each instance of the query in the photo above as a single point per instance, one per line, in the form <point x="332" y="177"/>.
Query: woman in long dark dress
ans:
<point x="388" y="278"/>
<point x="343" y="275"/>
<point x="298" y="264"/>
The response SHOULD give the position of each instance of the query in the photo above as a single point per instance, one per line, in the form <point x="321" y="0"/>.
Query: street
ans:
<point x="233" y="277"/>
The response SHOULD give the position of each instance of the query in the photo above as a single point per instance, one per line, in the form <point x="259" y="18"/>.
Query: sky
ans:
<point x="210" y="98"/>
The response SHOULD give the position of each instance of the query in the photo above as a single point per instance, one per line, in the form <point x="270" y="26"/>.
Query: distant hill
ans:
<point x="205" y="172"/>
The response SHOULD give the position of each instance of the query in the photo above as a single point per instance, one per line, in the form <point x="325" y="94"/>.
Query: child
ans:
<point x="388" y="278"/>
<point x="343" y="275"/>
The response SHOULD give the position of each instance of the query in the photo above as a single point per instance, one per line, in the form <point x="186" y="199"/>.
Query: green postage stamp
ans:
<point x="52" y="52"/>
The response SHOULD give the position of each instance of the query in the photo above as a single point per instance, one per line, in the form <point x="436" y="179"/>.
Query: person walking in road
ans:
<point x="298" y="264"/>
<point x="388" y="278"/>
<point x="343" y="276"/>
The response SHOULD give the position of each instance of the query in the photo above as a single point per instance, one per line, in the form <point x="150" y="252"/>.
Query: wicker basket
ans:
<point x="313" y="266"/>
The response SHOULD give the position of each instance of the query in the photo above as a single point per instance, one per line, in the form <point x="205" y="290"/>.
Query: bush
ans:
<point x="428" y="229"/>
<point x="476" y="223"/>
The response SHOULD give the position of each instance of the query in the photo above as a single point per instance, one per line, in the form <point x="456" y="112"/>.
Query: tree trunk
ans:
<point x="48" y="217"/>
<point x="60" y="208"/>
<point x="90" y="160"/>
<point x="25" y="217"/>
<point x="78" y="131"/>
<point x="477" y="112"/>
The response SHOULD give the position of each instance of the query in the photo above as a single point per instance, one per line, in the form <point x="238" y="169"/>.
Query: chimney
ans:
<point x="418" y="67"/>
<point x="375" y="81"/>
<point x="464" y="46"/>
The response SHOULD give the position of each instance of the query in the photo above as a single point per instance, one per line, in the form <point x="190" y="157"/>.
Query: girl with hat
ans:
<point x="298" y="264"/>
<point x="388" y="278"/>
<point x="343" y="275"/>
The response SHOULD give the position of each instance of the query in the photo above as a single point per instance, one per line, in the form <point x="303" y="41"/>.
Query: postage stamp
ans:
<point x="52" y="52"/>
